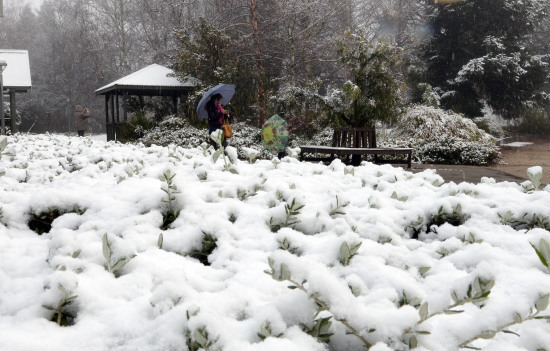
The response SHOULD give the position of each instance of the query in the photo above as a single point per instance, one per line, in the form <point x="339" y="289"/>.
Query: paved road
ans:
<point x="470" y="174"/>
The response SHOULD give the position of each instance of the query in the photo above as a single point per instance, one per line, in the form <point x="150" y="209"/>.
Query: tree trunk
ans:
<point x="259" y="64"/>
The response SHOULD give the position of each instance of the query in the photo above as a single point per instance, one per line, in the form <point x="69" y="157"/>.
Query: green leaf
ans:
<point x="489" y="285"/>
<point x="541" y="256"/>
<point x="355" y="248"/>
<point x="106" y="248"/>
<point x="233" y="170"/>
<point x="453" y="311"/>
<point x="76" y="254"/>
<point x="542" y="303"/>
<point x="160" y="241"/>
<point x="285" y="272"/>
<point x="217" y="154"/>
<point x="517" y="318"/>
<point x="476" y="287"/>
<point x="487" y="334"/>
<point x="454" y="296"/>
<point x="200" y="338"/>
<point x="458" y="208"/>
<point x="544" y="248"/>
<point x="413" y="342"/>
<point x="423" y="270"/>
<point x="120" y="263"/>
<point x="510" y="332"/>
<point x="3" y="142"/>
<point x="423" y="311"/>
<point x="69" y="300"/>
<point x="344" y="251"/>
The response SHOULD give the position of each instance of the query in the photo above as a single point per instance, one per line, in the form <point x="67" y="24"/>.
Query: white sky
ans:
<point x="35" y="3"/>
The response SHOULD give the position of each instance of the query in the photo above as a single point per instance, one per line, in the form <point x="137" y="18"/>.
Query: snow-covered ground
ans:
<point x="468" y="277"/>
<point x="518" y="144"/>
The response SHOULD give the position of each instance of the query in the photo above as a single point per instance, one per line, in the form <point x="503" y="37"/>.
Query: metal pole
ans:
<point x="2" y="103"/>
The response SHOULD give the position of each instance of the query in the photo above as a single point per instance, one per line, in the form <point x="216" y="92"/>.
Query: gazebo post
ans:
<point x="175" y="102"/>
<point x="113" y="115"/>
<point x="117" y="110"/>
<point x="107" y="115"/>
<point x="125" y="106"/>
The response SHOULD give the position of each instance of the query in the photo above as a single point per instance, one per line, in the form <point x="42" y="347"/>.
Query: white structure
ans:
<point x="16" y="76"/>
<point x="153" y="80"/>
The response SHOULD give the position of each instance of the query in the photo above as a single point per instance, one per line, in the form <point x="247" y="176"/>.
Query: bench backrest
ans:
<point x="354" y="137"/>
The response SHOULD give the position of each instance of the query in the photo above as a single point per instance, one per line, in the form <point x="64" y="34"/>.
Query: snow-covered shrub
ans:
<point x="490" y="122"/>
<point x="7" y="115"/>
<point x="3" y="143"/>
<point x="178" y="131"/>
<point x="535" y="121"/>
<point x="439" y="136"/>
<point x="323" y="137"/>
<point x="301" y="107"/>
<point x="171" y="214"/>
<point x="390" y="293"/>
<point x="429" y="96"/>
<point x="114" y="261"/>
<point x="60" y="302"/>
<point x="175" y="130"/>
<point x="41" y="222"/>
<point x="490" y="126"/>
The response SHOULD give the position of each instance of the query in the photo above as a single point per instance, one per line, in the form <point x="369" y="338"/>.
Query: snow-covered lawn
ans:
<point x="286" y="271"/>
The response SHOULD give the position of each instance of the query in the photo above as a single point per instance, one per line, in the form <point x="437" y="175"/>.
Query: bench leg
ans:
<point x="409" y="160"/>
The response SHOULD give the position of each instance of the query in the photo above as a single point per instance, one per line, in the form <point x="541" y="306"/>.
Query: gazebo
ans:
<point x="153" y="80"/>
<point x="16" y="78"/>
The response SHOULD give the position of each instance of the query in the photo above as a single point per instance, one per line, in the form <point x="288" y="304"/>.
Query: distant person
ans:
<point x="216" y="115"/>
<point x="81" y="114"/>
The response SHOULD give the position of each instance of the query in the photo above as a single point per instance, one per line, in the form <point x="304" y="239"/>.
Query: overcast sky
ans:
<point x="35" y="3"/>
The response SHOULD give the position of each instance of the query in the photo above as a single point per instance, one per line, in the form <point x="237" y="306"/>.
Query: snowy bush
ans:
<point x="439" y="136"/>
<point x="301" y="107"/>
<point x="284" y="255"/>
<point x="535" y="120"/>
<point x="3" y="144"/>
<point x="178" y="131"/>
<point x="490" y="122"/>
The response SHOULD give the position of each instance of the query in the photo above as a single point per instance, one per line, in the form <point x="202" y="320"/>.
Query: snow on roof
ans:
<point x="17" y="74"/>
<point x="151" y="76"/>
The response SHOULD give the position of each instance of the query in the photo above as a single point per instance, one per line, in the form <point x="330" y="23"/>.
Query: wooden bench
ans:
<point x="355" y="141"/>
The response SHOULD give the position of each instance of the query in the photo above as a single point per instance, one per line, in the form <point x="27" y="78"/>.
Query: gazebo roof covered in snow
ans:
<point x="154" y="80"/>
<point x="17" y="75"/>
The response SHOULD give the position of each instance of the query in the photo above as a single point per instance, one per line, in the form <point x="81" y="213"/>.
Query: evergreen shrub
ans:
<point x="535" y="121"/>
<point x="440" y="136"/>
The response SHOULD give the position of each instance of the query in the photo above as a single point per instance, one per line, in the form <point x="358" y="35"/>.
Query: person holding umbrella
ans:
<point x="211" y="107"/>
<point x="216" y="115"/>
